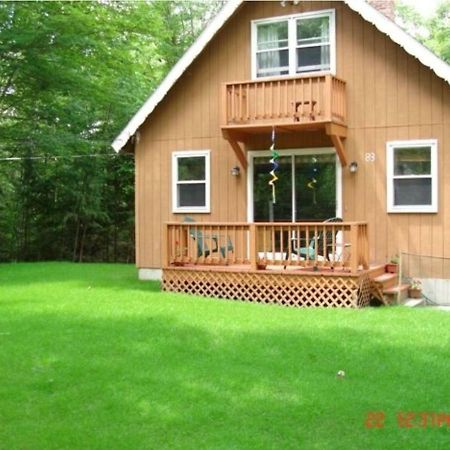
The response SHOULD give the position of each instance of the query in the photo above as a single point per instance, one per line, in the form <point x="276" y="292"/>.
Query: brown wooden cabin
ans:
<point x="360" y="114"/>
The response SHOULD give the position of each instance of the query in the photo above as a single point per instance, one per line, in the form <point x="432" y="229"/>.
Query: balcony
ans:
<point x="290" y="104"/>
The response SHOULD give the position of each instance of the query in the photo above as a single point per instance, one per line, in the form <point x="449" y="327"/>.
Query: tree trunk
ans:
<point x="82" y="242"/>
<point x="75" y="245"/>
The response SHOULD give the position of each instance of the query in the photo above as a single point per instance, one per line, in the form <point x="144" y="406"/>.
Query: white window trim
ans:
<point x="390" y="146"/>
<point x="188" y="154"/>
<point x="292" y="42"/>
<point x="289" y="152"/>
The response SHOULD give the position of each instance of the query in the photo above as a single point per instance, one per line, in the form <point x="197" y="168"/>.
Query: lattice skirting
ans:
<point x="288" y="289"/>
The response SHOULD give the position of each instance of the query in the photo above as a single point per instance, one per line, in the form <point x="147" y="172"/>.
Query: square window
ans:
<point x="412" y="176"/>
<point x="294" y="44"/>
<point x="190" y="181"/>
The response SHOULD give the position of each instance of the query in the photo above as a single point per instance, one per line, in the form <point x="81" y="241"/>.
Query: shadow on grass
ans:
<point x="158" y="381"/>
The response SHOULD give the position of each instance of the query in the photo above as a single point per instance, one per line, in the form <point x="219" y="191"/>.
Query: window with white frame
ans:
<point x="412" y="178"/>
<point x="294" y="44"/>
<point x="190" y="181"/>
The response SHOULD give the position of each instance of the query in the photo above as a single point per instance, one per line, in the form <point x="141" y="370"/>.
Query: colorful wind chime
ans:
<point x="274" y="156"/>
<point x="312" y="178"/>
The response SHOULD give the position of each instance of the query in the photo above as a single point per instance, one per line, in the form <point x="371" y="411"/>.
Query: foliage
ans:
<point x="91" y="358"/>
<point x="434" y="32"/>
<point x="416" y="283"/>
<point x="439" y="40"/>
<point x="71" y="76"/>
<point x="395" y="259"/>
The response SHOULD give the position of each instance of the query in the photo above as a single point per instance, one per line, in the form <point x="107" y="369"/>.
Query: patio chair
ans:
<point x="202" y="241"/>
<point x="322" y="240"/>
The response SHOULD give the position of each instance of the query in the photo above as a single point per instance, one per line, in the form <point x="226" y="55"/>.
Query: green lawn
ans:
<point x="91" y="358"/>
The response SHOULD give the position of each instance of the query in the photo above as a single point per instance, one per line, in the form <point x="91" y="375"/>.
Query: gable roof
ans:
<point x="368" y="12"/>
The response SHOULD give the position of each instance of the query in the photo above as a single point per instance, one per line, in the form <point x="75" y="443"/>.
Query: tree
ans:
<point x="433" y="32"/>
<point x="439" y="25"/>
<point x="71" y="75"/>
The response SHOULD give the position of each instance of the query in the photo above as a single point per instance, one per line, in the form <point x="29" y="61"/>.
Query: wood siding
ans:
<point x="390" y="96"/>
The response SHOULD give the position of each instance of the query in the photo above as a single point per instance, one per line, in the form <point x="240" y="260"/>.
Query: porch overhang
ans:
<point x="238" y="135"/>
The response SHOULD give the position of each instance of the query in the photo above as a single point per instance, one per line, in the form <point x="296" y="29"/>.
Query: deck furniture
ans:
<point x="322" y="244"/>
<point x="300" y="111"/>
<point x="208" y="243"/>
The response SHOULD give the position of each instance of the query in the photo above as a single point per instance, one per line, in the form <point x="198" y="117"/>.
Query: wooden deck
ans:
<point x="261" y="262"/>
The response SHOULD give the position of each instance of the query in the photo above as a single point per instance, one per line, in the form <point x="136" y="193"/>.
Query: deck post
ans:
<point x="354" y="256"/>
<point x="165" y="246"/>
<point x="253" y="247"/>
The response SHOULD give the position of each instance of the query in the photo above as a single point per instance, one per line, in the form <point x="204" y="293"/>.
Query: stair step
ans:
<point x="396" y="294"/>
<point x="396" y="289"/>
<point x="386" y="279"/>
<point x="413" y="302"/>
<point x="379" y="269"/>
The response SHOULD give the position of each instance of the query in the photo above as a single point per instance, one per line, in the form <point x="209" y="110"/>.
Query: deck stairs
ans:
<point x="386" y="286"/>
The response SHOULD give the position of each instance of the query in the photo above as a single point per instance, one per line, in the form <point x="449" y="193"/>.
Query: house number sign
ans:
<point x="370" y="157"/>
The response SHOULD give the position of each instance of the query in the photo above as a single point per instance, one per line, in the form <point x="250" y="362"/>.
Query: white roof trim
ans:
<point x="369" y="13"/>
<point x="178" y="69"/>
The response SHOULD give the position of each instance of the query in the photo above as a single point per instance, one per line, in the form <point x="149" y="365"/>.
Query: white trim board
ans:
<point x="391" y="146"/>
<point x="370" y="14"/>
<point x="292" y="40"/>
<point x="206" y="154"/>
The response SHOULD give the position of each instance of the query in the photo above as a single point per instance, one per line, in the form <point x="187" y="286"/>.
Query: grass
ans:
<point x="91" y="358"/>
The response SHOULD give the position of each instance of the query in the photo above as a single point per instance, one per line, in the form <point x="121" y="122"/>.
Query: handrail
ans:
<point x="284" y="77"/>
<point x="335" y="245"/>
<point x="302" y="99"/>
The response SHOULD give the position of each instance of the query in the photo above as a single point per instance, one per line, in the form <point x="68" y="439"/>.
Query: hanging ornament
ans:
<point x="312" y="179"/>
<point x="275" y="155"/>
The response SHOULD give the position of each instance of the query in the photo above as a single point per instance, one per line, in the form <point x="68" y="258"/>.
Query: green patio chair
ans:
<point x="323" y="239"/>
<point x="202" y="241"/>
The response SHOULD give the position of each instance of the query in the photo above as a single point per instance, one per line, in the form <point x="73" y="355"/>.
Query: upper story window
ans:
<point x="412" y="176"/>
<point x="190" y="181"/>
<point x="294" y="44"/>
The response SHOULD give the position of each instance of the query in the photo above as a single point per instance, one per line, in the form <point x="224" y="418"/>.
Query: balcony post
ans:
<point x="328" y="92"/>
<point x="224" y="105"/>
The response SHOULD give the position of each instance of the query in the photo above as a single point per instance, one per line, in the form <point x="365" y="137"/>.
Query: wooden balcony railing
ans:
<point x="341" y="246"/>
<point x="300" y="99"/>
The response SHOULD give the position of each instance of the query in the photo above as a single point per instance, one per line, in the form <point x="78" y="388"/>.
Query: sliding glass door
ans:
<point x="307" y="189"/>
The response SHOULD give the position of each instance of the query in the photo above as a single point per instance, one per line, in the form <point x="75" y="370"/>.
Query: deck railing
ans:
<point x="341" y="245"/>
<point x="303" y="99"/>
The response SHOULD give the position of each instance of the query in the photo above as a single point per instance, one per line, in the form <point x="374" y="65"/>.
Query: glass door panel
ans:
<point x="315" y="187"/>
<point x="263" y="208"/>
<point x="305" y="189"/>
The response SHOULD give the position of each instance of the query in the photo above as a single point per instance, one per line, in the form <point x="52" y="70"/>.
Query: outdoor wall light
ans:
<point x="353" y="167"/>
<point x="235" y="171"/>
